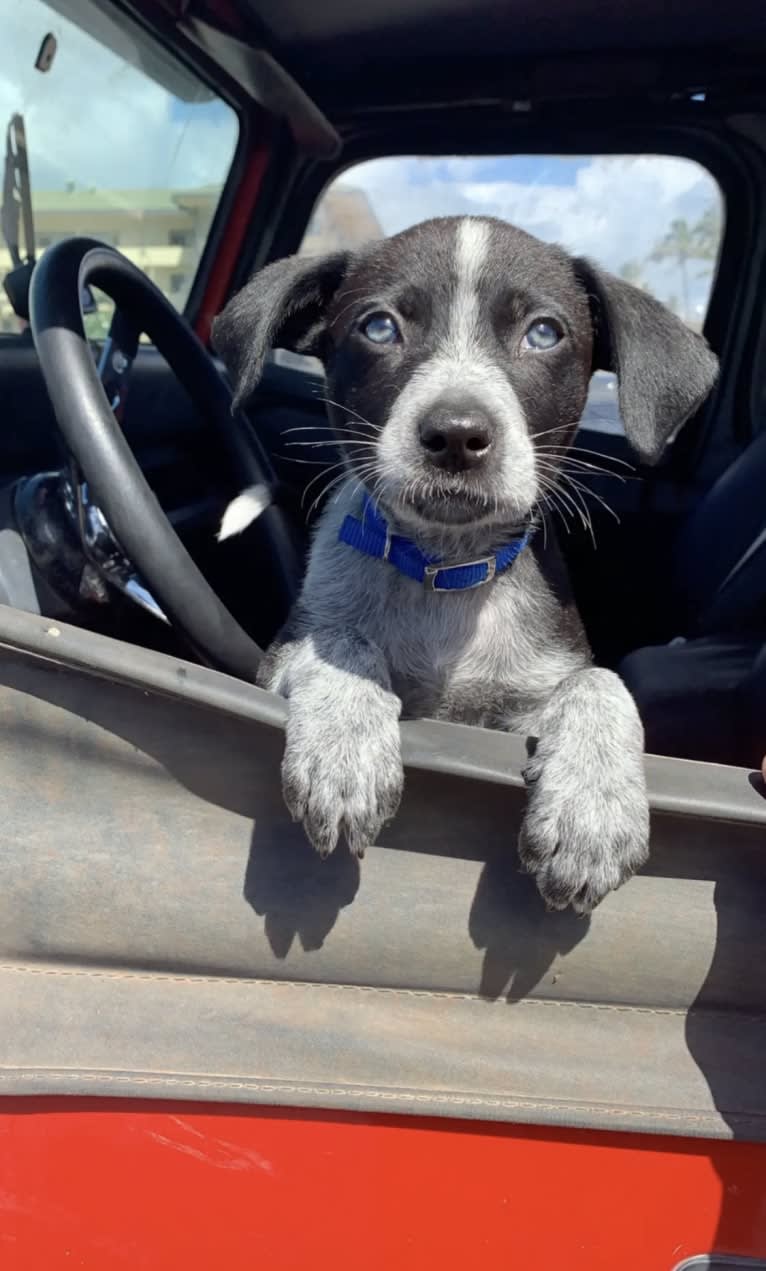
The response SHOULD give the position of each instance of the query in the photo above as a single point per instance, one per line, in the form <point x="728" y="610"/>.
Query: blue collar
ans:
<point x="370" y="534"/>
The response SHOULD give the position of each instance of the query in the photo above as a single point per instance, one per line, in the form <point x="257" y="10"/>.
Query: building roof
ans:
<point x="343" y="219"/>
<point x="137" y="201"/>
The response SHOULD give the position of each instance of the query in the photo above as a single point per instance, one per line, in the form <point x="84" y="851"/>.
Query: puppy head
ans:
<point x="459" y="355"/>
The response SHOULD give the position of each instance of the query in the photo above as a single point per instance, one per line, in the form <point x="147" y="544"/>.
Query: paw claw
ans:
<point x="581" y="846"/>
<point x="337" y="787"/>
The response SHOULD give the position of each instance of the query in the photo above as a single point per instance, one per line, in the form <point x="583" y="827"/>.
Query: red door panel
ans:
<point x="103" y="1184"/>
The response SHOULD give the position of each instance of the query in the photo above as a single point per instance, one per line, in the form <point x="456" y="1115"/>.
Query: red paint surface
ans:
<point x="103" y="1184"/>
<point x="225" y="262"/>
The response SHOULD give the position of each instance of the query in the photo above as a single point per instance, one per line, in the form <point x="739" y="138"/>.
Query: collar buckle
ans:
<point x="432" y="572"/>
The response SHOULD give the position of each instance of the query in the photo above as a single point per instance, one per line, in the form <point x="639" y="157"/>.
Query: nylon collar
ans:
<point x="371" y="535"/>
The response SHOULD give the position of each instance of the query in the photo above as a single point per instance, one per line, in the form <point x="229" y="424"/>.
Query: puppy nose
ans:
<point x="456" y="438"/>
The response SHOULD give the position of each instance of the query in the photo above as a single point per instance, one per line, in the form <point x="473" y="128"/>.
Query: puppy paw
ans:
<point x="585" y="831"/>
<point x="342" y="779"/>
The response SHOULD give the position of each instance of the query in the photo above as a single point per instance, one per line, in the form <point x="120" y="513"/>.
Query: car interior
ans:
<point x="668" y="563"/>
<point x="180" y="971"/>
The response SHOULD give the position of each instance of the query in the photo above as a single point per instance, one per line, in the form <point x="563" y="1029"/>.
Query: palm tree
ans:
<point x="680" y="243"/>
<point x="684" y="242"/>
<point x="632" y="271"/>
<point x="708" y="231"/>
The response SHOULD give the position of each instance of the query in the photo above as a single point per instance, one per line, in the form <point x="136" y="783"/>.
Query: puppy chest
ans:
<point x="451" y="656"/>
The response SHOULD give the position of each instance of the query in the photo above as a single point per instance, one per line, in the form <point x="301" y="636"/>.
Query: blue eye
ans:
<point x="541" y="336"/>
<point x="381" y="329"/>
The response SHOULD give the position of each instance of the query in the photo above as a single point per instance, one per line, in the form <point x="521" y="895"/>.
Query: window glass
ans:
<point x="123" y="144"/>
<point x="655" y="220"/>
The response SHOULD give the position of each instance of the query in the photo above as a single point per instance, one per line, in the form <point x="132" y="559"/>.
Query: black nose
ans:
<point x="456" y="437"/>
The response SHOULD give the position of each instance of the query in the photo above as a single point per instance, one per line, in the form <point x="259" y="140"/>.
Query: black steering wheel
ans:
<point x="96" y="441"/>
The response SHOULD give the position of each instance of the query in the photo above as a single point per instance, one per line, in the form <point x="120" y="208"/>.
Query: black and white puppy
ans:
<point x="458" y="356"/>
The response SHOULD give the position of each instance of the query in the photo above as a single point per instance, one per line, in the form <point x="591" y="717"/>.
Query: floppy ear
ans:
<point x="284" y="305"/>
<point x="664" y="370"/>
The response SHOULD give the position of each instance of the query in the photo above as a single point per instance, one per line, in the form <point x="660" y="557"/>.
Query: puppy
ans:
<point x="458" y="356"/>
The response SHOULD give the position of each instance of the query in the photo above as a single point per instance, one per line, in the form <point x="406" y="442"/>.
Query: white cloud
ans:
<point x="614" y="210"/>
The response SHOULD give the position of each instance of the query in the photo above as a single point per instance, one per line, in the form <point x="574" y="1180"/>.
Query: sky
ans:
<point x="98" y="122"/>
<point x="95" y="120"/>
<point x="613" y="209"/>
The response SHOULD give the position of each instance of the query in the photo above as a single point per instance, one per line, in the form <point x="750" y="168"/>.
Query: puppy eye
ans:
<point x="541" y="336"/>
<point x="381" y="329"/>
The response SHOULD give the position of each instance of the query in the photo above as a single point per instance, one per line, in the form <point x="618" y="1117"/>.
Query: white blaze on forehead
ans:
<point x="471" y="253"/>
<point x="465" y="364"/>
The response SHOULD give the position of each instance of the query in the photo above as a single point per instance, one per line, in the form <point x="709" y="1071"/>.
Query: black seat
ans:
<point x="693" y="700"/>
<point x="697" y="694"/>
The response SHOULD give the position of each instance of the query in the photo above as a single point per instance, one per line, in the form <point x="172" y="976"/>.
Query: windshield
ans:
<point x="122" y="143"/>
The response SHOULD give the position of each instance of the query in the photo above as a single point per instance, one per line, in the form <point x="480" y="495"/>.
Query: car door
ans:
<point x="215" y="1046"/>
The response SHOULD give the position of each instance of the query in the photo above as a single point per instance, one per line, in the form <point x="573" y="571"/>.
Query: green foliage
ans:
<point x="683" y="243"/>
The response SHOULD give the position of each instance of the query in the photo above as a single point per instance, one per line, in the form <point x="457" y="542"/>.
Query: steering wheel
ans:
<point x="96" y="442"/>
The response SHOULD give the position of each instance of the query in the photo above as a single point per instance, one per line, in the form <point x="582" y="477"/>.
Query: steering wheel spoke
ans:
<point x="104" y="552"/>
<point x="117" y="357"/>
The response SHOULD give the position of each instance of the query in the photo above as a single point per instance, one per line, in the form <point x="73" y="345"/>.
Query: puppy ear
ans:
<point x="283" y="305"/>
<point x="664" y="370"/>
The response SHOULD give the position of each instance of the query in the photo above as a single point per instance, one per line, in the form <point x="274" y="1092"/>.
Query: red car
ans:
<point x="217" y="1050"/>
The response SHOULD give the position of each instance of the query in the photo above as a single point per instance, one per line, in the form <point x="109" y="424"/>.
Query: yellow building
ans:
<point x="164" y="231"/>
<point x="342" y="219"/>
<point x="161" y="231"/>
